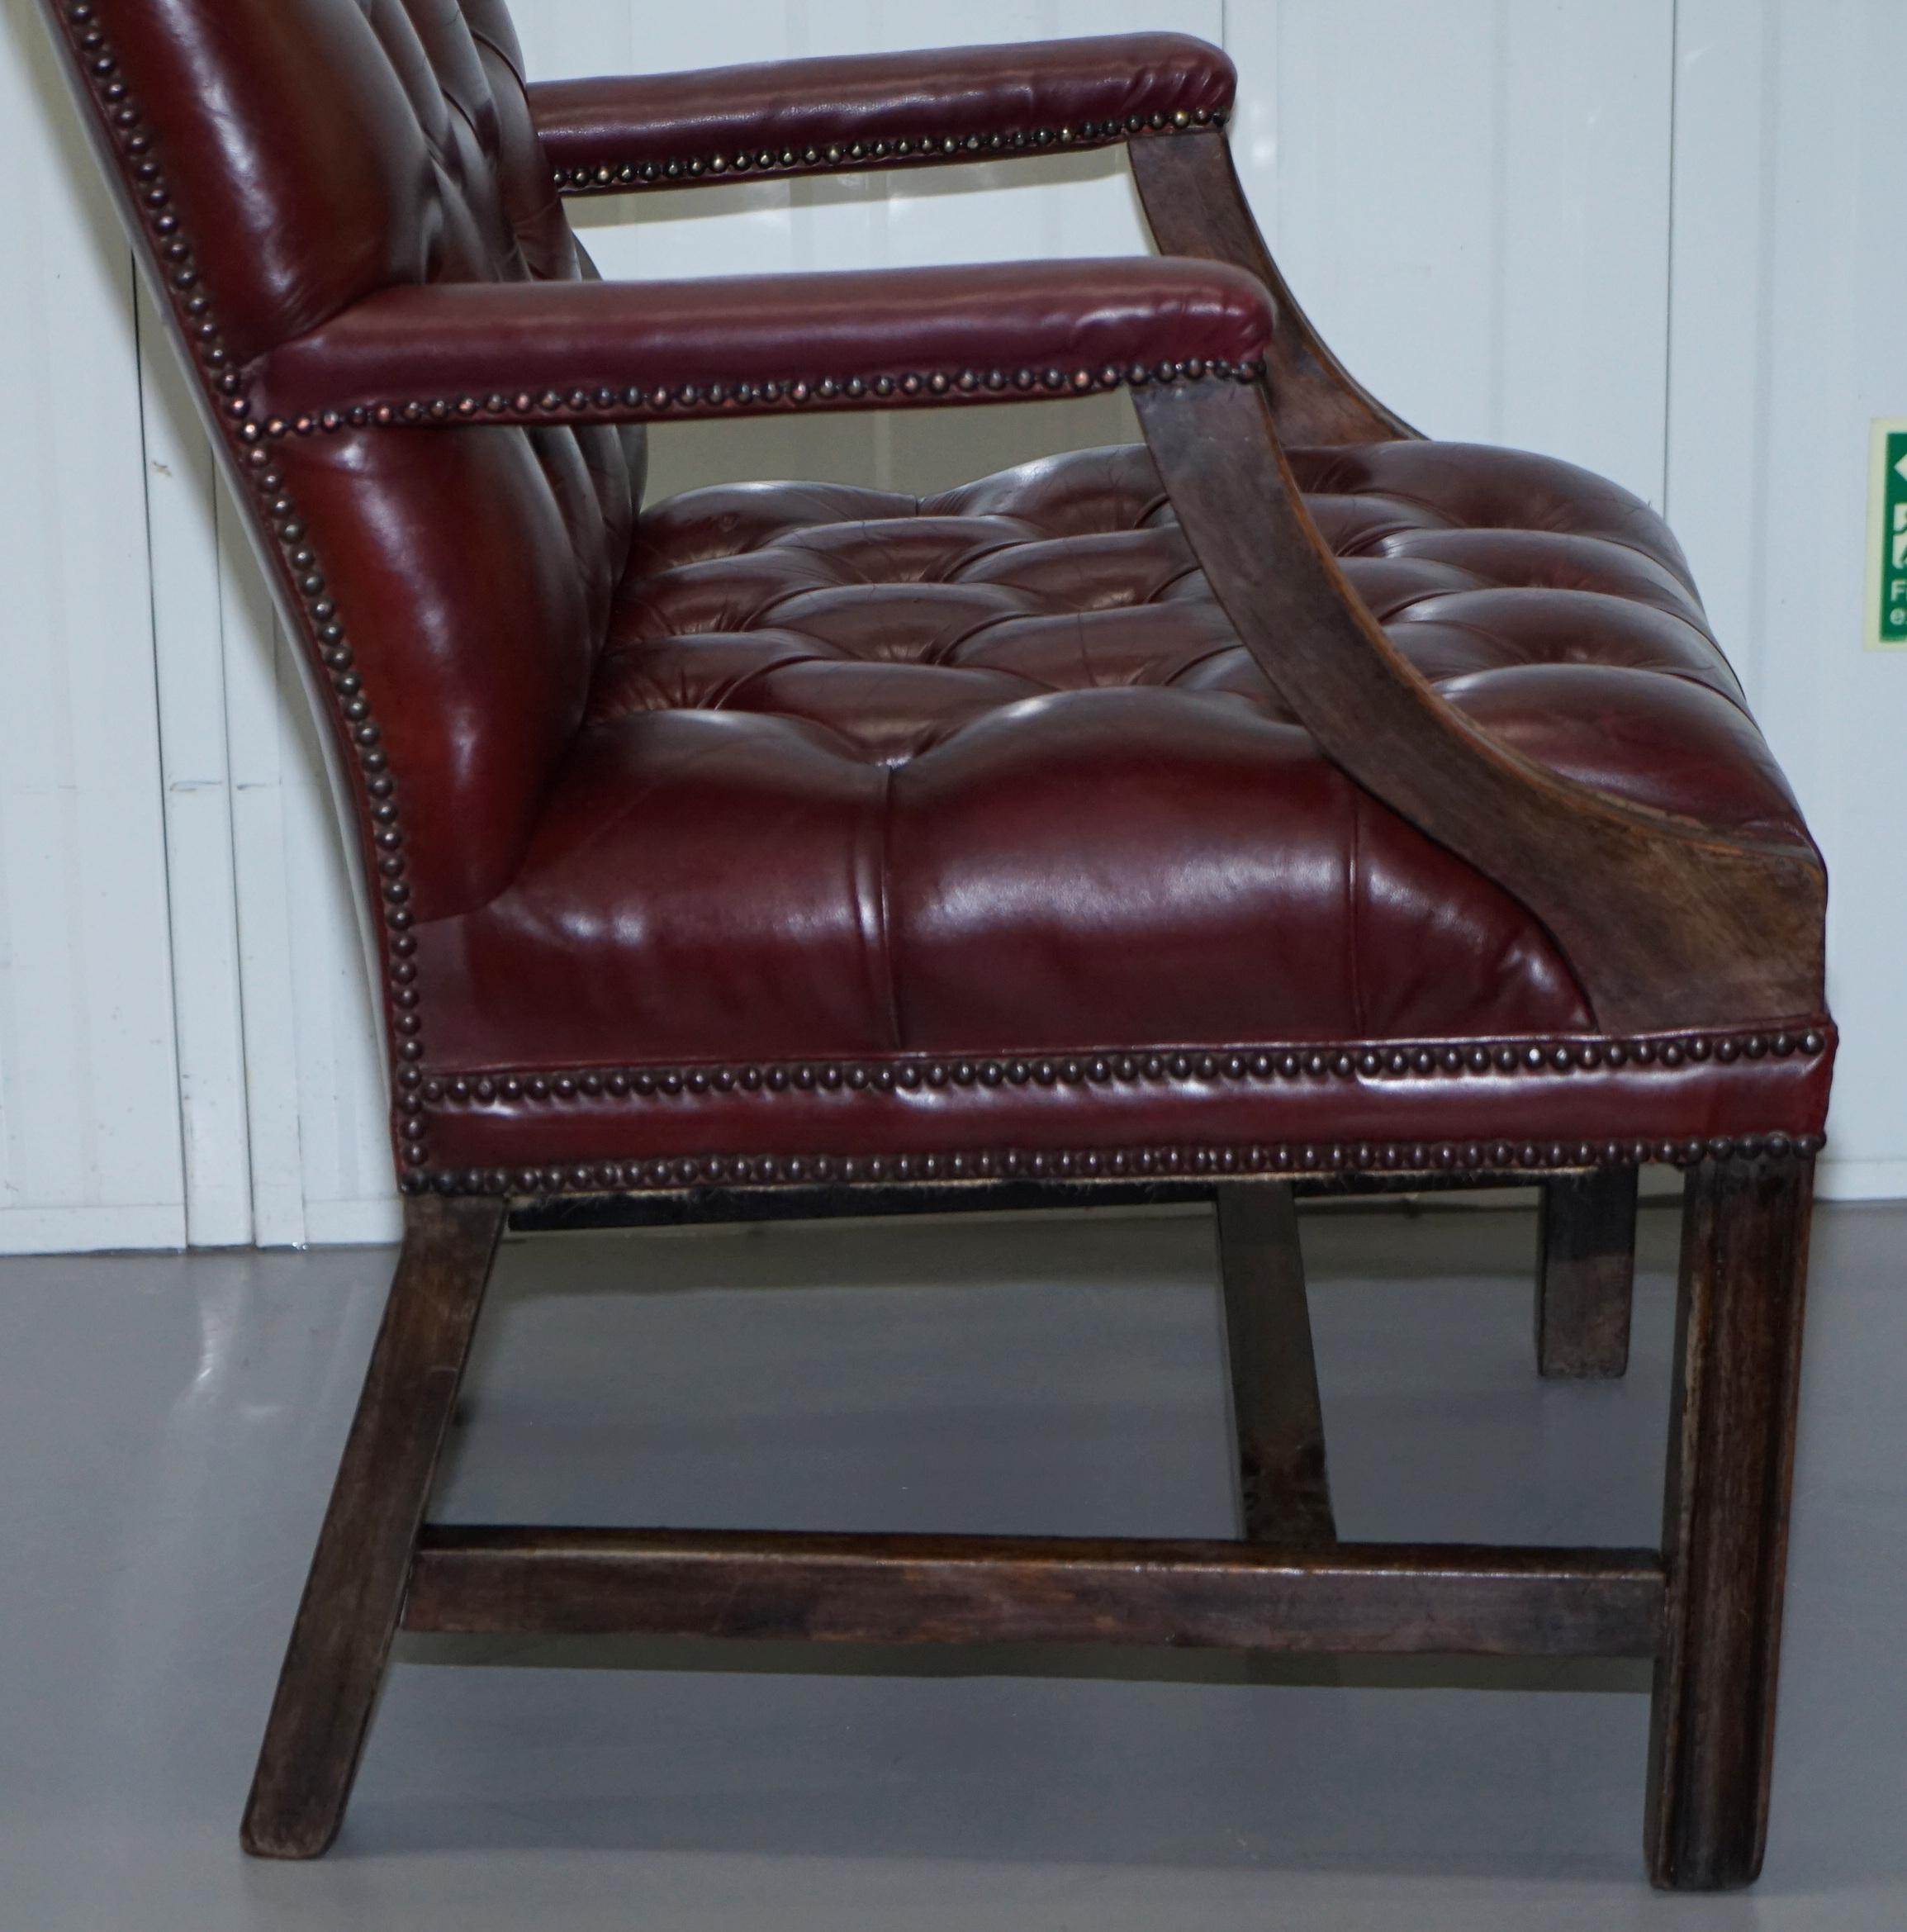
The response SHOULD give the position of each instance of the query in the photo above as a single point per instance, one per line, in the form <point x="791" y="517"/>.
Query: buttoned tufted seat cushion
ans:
<point x="991" y="771"/>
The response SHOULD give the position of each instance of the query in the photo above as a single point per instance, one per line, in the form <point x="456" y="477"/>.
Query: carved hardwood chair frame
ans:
<point x="1697" y="945"/>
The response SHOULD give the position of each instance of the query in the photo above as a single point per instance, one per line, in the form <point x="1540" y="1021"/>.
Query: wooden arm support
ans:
<point x="1195" y="205"/>
<point x="1665" y="922"/>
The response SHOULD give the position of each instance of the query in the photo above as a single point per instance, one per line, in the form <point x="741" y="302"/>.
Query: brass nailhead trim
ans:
<point x="1194" y="1066"/>
<point x="1099" y="1163"/>
<point x="640" y="403"/>
<point x="324" y="628"/>
<point x="744" y="162"/>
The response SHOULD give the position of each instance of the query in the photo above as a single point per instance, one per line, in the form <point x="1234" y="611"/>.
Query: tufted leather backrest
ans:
<point x="312" y="153"/>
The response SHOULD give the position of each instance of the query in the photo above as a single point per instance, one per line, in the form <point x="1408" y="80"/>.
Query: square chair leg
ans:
<point x="1585" y="1272"/>
<point x="1284" y="1491"/>
<point x="355" y="1593"/>
<point x="1725" y="1543"/>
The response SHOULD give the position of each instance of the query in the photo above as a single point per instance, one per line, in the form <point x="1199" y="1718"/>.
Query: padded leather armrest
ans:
<point x="876" y="110"/>
<point x="609" y="351"/>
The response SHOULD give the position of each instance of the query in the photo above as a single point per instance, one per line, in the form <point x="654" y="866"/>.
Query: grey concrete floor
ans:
<point x="168" y="1426"/>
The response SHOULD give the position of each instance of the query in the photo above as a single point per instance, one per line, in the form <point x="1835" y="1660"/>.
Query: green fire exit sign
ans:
<point x="1886" y="625"/>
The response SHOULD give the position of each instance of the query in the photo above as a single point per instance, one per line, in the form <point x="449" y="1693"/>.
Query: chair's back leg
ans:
<point x="1284" y="1493"/>
<point x="1730" y="1459"/>
<point x="1585" y="1271"/>
<point x="355" y="1591"/>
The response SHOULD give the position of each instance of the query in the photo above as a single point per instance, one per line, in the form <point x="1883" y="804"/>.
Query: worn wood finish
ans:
<point x="1284" y="1491"/>
<point x="703" y="1206"/>
<point x="1376" y="1599"/>
<point x="349" y="1612"/>
<point x="1586" y="1274"/>
<point x="1664" y="923"/>
<point x="1730" y="1463"/>
<point x="1196" y="204"/>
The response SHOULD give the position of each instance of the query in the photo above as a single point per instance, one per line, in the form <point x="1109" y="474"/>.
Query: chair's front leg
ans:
<point x="1731" y="1457"/>
<point x="355" y="1593"/>
<point x="1585" y="1274"/>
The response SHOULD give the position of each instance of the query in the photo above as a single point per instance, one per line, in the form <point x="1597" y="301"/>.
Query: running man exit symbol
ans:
<point x="1887" y="544"/>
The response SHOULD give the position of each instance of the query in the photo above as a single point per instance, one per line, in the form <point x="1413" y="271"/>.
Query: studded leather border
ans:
<point x="192" y="309"/>
<point x="1664" y="1053"/>
<point x="1484" y="1158"/>
<point x="746" y="163"/>
<point x="640" y="403"/>
<point x="623" y="1087"/>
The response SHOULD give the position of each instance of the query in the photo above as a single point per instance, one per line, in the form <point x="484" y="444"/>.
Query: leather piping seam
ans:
<point x="605" y="178"/>
<point x="1485" y="1160"/>
<point x="638" y="402"/>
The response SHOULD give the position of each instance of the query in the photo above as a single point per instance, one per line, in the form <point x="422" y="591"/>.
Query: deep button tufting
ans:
<point x="700" y="671"/>
<point x="1465" y="632"/>
<point x="1139" y="644"/>
<point x="715" y="594"/>
<point x="904" y="623"/>
<point x="1545" y="560"/>
<point x="1360" y="526"/>
<point x="914" y="548"/>
<point x="1091" y="573"/>
<point x="1084" y="494"/>
<point x="1392" y="587"/>
<point x="994" y="771"/>
<point x="886" y="712"/>
<point x="1463" y="486"/>
<point x="317" y="155"/>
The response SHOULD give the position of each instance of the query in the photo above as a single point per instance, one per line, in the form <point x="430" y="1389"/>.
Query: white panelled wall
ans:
<point x="1662" y="238"/>
<point x="89" y="1110"/>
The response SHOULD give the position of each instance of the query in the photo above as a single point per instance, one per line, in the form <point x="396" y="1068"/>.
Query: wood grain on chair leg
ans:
<point x="1585" y="1273"/>
<point x="1284" y="1491"/>
<point x="355" y="1591"/>
<point x="1731" y="1456"/>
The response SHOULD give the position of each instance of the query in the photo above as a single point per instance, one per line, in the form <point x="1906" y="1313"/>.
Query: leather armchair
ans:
<point x="1289" y="803"/>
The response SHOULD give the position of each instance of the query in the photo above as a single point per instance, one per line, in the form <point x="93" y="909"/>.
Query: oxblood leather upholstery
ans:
<point x="793" y="831"/>
<point x="795" y="116"/>
<point x="1004" y="781"/>
<point x="530" y="350"/>
<point x="1010" y="779"/>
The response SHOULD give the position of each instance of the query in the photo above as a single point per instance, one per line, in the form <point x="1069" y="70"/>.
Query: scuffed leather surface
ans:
<point x="447" y="342"/>
<point x="948" y="92"/>
<point x="991" y="772"/>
